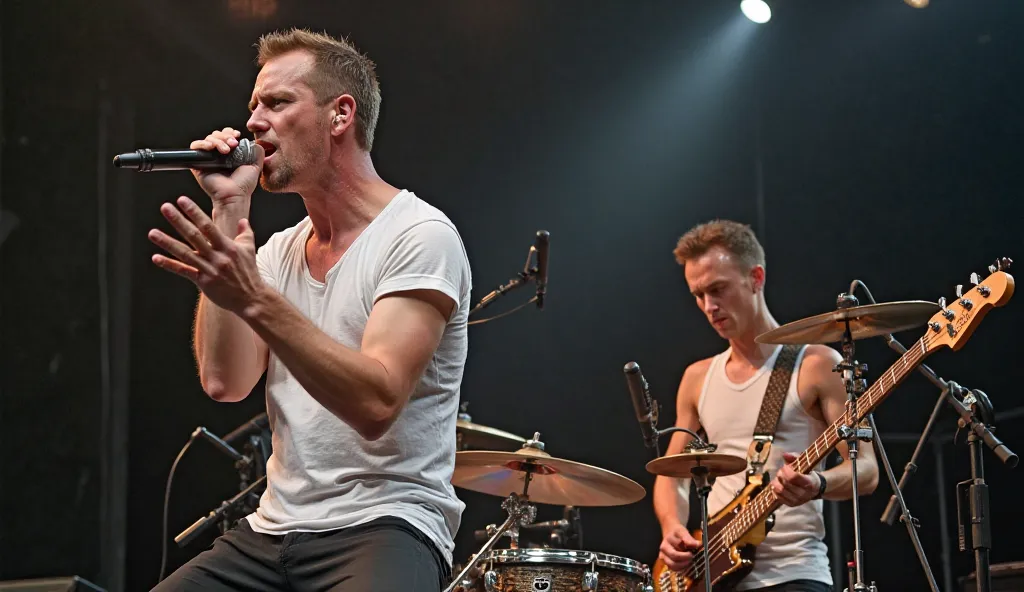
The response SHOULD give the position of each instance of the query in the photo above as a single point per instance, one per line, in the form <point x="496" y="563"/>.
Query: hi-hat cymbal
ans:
<point x="474" y="435"/>
<point x="552" y="480"/>
<point x="681" y="465"/>
<point x="870" y="320"/>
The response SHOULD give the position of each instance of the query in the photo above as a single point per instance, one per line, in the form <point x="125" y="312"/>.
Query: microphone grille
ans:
<point x="631" y="368"/>
<point x="243" y="154"/>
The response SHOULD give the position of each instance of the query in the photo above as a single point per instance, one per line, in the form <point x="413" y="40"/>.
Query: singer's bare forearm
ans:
<point x="230" y="356"/>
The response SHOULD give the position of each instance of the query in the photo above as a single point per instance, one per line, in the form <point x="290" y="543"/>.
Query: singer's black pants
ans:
<point x="384" y="555"/>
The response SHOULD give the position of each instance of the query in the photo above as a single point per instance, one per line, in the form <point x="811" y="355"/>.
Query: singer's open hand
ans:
<point x="223" y="268"/>
<point x="792" y="487"/>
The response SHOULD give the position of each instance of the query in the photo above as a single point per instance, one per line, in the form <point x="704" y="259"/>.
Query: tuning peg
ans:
<point x="975" y="278"/>
<point x="1001" y="264"/>
<point x="948" y="314"/>
<point x="959" y="290"/>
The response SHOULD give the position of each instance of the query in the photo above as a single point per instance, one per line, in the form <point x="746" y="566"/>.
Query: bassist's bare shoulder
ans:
<point x="691" y="383"/>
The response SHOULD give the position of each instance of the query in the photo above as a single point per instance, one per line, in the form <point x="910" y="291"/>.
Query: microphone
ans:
<point x="541" y="246"/>
<point x="220" y="444"/>
<point x="146" y="160"/>
<point x="647" y="416"/>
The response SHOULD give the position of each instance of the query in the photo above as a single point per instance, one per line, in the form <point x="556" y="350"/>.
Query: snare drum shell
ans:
<point x="559" y="570"/>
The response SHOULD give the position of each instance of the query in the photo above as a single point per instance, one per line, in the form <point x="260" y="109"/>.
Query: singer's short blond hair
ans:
<point x="338" y="69"/>
<point x="738" y="239"/>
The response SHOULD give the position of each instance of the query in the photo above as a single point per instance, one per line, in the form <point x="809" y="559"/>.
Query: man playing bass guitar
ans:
<point x="724" y="265"/>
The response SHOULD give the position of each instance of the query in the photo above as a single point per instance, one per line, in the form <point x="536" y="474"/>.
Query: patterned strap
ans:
<point x="775" y="394"/>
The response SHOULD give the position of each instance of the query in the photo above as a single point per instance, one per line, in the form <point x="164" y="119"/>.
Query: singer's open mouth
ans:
<point x="268" y="148"/>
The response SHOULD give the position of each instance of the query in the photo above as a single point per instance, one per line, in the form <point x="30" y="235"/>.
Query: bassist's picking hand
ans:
<point x="677" y="548"/>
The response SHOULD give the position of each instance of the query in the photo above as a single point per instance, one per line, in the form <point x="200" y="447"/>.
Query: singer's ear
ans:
<point x="343" y="114"/>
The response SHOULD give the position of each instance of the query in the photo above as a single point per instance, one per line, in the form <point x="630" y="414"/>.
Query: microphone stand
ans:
<point x="520" y="278"/>
<point x="190" y="533"/>
<point x="976" y="488"/>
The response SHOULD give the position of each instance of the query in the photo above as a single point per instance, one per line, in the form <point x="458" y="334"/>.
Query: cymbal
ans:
<point x="552" y="480"/>
<point x="870" y="320"/>
<point x="680" y="465"/>
<point x="474" y="435"/>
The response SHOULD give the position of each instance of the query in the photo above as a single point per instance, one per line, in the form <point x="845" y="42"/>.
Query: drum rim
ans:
<point x="567" y="557"/>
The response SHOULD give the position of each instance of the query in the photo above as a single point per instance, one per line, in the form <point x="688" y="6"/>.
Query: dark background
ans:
<point x="862" y="140"/>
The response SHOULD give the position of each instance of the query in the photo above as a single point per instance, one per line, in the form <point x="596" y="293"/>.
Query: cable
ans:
<point x="167" y="503"/>
<point x="504" y="314"/>
<point x="855" y="283"/>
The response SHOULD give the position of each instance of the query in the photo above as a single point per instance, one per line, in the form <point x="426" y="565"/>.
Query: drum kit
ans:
<point x="521" y="472"/>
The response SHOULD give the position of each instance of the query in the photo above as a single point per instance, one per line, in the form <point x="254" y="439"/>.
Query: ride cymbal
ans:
<point x="552" y="480"/>
<point x="870" y="320"/>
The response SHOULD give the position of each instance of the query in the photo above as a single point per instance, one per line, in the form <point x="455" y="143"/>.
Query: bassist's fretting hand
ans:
<point x="792" y="487"/>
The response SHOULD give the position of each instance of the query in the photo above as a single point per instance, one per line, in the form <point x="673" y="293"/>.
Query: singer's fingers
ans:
<point x="176" y="267"/>
<point x="223" y="141"/>
<point x="207" y="229"/>
<point x="186" y="229"/>
<point x="180" y="251"/>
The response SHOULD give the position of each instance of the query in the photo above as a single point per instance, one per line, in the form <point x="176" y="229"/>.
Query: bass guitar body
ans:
<point x="728" y="568"/>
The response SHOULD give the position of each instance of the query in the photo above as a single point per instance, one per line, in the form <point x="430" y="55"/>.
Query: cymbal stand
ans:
<point x="702" y="484"/>
<point x="853" y="378"/>
<point x="520" y="513"/>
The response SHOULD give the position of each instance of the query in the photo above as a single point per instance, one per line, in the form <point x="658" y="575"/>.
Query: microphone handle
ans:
<point x="174" y="160"/>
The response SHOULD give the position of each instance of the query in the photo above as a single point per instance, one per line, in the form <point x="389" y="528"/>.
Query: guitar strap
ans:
<point x="771" y="408"/>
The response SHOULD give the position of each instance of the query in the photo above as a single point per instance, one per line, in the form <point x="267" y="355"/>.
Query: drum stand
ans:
<point x="853" y="377"/>
<point x="520" y="513"/>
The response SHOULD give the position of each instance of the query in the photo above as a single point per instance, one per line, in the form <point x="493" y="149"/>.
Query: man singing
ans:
<point x="357" y="314"/>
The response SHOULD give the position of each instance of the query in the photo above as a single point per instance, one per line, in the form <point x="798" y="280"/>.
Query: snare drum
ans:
<point x="562" y="570"/>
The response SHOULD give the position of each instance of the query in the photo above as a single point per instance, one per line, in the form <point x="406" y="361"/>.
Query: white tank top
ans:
<point x="795" y="548"/>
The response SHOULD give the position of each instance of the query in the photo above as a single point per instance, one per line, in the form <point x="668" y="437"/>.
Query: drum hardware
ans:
<point x="520" y="512"/>
<point x="565" y="533"/>
<point x="531" y="475"/>
<point x="474" y="436"/>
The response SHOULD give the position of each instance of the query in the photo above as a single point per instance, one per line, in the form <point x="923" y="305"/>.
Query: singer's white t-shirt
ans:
<point x="322" y="474"/>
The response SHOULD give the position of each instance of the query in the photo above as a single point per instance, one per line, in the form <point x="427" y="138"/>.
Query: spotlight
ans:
<point x="756" y="10"/>
<point x="917" y="3"/>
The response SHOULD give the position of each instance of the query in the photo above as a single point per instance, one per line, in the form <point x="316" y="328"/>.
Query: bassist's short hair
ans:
<point x="738" y="239"/>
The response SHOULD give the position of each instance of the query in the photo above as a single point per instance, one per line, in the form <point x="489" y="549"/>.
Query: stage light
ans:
<point x="756" y="10"/>
<point x="917" y="3"/>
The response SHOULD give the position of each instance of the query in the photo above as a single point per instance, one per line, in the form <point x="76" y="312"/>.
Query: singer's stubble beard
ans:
<point x="279" y="179"/>
<point x="284" y="173"/>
